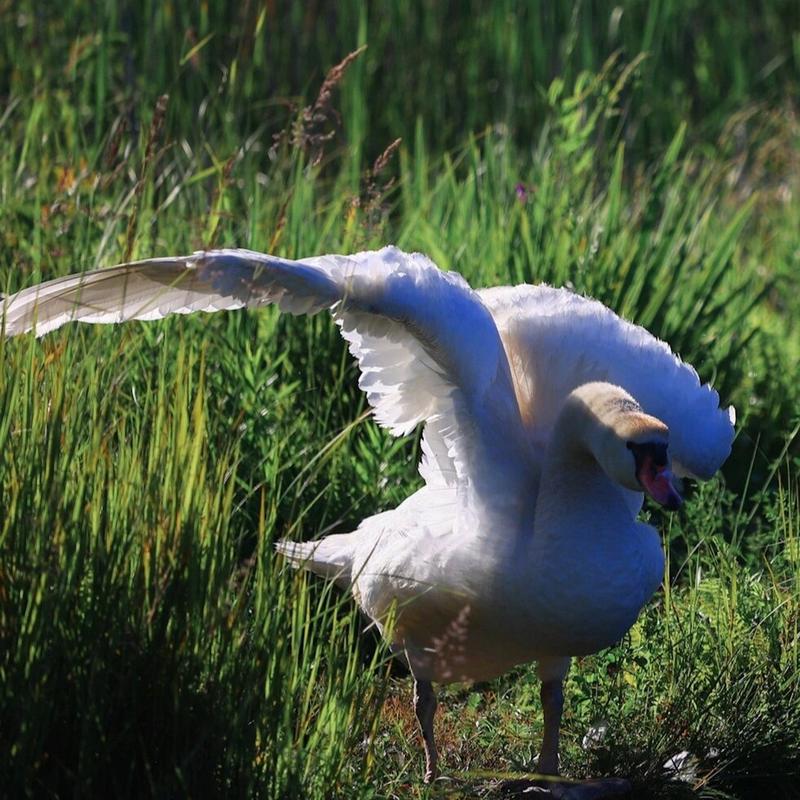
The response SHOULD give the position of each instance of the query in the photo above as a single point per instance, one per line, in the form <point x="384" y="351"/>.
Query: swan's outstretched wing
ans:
<point x="557" y="340"/>
<point x="427" y="346"/>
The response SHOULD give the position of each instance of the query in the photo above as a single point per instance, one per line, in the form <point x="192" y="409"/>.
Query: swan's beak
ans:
<point x="661" y="487"/>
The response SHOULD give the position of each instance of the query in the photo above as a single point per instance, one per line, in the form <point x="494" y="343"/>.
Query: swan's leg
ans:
<point x="425" y="706"/>
<point x="551" y="673"/>
<point x="552" y="704"/>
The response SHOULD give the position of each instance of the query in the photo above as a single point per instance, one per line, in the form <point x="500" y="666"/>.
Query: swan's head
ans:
<point x="631" y="446"/>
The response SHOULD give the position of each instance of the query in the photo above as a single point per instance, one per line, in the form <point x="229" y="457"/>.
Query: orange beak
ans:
<point x="659" y="483"/>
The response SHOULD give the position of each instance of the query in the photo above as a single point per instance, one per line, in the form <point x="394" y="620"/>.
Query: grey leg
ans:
<point x="552" y="704"/>
<point x="425" y="706"/>
<point x="551" y="673"/>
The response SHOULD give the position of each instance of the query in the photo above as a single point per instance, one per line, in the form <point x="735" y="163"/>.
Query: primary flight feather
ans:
<point x="546" y="418"/>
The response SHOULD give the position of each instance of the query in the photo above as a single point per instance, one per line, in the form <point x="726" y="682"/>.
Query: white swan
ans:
<point x="545" y="414"/>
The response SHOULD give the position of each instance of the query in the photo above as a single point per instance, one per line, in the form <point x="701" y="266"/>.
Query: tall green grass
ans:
<point x="150" y="646"/>
<point x="457" y="67"/>
<point x="150" y="642"/>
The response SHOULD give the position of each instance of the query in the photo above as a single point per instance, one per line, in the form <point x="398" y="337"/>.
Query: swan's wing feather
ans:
<point x="155" y="288"/>
<point x="557" y="340"/>
<point x="428" y="350"/>
<point x="427" y="347"/>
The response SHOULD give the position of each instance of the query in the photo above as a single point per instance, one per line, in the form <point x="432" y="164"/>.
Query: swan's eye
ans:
<point x="652" y="454"/>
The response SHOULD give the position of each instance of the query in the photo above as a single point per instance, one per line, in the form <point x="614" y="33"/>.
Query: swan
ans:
<point x="546" y="419"/>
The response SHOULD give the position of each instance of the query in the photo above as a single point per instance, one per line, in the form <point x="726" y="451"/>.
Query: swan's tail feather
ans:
<point x="330" y="557"/>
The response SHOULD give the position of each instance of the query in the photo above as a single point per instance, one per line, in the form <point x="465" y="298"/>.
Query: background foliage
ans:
<point x="645" y="154"/>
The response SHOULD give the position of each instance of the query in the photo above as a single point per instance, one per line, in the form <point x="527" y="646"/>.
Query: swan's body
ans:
<point x="476" y="596"/>
<point x="546" y="415"/>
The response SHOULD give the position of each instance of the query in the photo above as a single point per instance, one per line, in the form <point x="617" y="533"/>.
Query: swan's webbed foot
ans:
<point x="425" y="708"/>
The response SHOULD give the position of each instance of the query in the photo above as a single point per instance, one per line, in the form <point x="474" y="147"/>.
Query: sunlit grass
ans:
<point x="150" y="642"/>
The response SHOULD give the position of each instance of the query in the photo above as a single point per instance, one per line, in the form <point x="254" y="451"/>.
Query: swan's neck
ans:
<point x="577" y="498"/>
<point x="577" y="501"/>
<point x="590" y="566"/>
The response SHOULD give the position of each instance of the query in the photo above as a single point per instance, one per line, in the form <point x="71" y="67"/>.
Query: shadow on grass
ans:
<point x="504" y="786"/>
<point x="121" y="719"/>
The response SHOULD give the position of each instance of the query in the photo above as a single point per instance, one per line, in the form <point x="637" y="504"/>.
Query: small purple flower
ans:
<point x="521" y="192"/>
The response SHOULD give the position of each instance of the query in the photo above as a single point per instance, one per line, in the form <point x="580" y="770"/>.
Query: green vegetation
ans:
<point x="150" y="643"/>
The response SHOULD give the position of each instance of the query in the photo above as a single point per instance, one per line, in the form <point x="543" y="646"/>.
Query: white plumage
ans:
<point x="557" y="340"/>
<point x="545" y="415"/>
